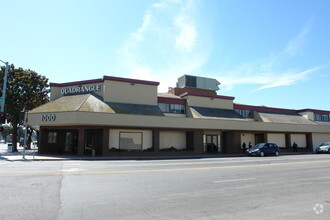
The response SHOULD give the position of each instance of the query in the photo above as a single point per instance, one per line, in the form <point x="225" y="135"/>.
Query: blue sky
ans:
<point x="263" y="52"/>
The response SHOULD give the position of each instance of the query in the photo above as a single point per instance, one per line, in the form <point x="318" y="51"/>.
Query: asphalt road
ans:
<point x="285" y="187"/>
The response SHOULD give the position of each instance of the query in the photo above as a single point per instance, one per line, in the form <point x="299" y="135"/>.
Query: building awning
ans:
<point x="203" y="112"/>
<point x="90" y="103"/>
<point x="85" y="103"/>
<point x="135" y="109"/>
<point x="282" y="118"/>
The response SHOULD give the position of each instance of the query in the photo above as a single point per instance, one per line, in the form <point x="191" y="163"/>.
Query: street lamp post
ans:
<point x="4" y="88"/>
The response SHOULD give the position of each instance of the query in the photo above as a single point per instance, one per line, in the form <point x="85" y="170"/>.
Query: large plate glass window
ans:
<point x="172" y="108"/>
<point x="52" y="136"/>
<point x="245" y="113"/>
<point x="131" y="141"/>
<point x="322" y="117"/>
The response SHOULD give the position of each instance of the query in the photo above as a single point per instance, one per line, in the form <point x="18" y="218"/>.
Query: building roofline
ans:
<point x="314" y="111"/>
<point x="283" y="110"/>
<point x="206" y="95"/>
<point x="100" y="80"/>
<point x="169" y="100"/>
<point x="76" y="83"/>
<point x="112" y="78"/>
<point x="263" y="108"/>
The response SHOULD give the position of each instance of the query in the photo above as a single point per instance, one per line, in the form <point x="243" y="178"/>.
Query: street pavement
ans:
<point x="284" y="187"/>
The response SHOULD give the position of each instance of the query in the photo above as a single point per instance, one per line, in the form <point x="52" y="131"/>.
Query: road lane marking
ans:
<point x="235" y="180"/>
<point x="72" y="170"/>
<point x="165" y="170"/>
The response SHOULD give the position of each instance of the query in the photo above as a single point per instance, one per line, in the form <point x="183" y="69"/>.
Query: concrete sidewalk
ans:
<point x="32" y="155"/>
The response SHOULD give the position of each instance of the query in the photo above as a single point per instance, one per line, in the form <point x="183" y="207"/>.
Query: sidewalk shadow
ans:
<point x="5" y="155"/>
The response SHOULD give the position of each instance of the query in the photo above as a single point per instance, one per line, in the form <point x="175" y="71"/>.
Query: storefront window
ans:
<point x="322" y="117"/>
<point x="172" y="108"/>
<point x="245" y="113"/>
<point x="52" y="136"/>
<point x="131" y="141"/>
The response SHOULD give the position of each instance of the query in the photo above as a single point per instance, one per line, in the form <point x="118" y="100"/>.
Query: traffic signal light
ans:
<point x="21" y="116"/>
<point x="2" y="117"/>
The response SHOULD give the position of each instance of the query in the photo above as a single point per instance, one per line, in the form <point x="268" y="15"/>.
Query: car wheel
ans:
<point x="329" y="151"/>
<point x="277" y="153"/>
<point x="262" y="154"/>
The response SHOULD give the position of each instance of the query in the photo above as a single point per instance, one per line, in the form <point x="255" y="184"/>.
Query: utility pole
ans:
<point x="25" y="134"/>
<point x="3" y="98"/>
<point x="4" y="88"/>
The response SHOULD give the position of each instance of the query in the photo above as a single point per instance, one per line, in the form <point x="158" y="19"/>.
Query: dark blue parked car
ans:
<point x="263" y="149"/>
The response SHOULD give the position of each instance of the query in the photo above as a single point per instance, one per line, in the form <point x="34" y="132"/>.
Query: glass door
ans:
<point x="212" y="144"/>
<point x="89" y="145"/>
<point x="71" y="142"/>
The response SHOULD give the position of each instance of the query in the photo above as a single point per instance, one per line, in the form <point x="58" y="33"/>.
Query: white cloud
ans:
<point x="165" y="46"/>
<point x="170" y="43"/>
<point x="138" y="35"/>
<point x="295" y="44"/>
<point x="289" y="78"/>
<point x="270" y="72"/>
<point x="186" y="39"/>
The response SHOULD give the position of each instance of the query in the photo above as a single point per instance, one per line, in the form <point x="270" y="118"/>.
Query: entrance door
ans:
<point x="94" y="142"/>
<point x="260" y="138"/>
<point x="212" y="144"/>
<point x="71" y="142"/>
<point x="89" y="144"/>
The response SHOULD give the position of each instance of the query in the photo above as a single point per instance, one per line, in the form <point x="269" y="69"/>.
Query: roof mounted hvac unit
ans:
<point x="187" y="81"/>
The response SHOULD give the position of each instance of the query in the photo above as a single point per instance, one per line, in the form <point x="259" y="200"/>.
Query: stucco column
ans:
<point x="42" y="142"/>
<point x="198" y="142"/>
<point x="81" y="141"/>
<point x="233" y="142"/>
<point x="288" y="141"/>
<point x="155" y="140"/>
<point x="105" y="151"/>
<point x="309" y="142"/>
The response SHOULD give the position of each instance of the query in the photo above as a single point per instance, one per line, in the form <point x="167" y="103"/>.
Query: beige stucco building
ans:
<point x="114" y="116"/>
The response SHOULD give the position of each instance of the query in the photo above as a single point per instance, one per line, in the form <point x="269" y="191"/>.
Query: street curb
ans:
<point x="139" y="158"/>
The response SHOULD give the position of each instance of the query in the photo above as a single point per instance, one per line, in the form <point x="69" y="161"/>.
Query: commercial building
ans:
<point x="114" y="116"/>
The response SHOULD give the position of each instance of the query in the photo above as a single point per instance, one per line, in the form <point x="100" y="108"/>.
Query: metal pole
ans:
<point x="25" y="135"/>
<point x="4" y="88"/>
<point x="34" y="148"/>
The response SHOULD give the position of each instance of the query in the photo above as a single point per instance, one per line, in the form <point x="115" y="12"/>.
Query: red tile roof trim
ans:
<point x="110" y="78"/>
<point x="263" y="108"/>
<point x="206" y="95"/>
<point x="76" y="83"/>
<point x="314" y="111"/>
<point x="282" y="110"/>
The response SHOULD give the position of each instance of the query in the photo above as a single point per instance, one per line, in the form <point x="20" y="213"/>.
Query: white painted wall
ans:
<point x="308" y="115"/>
<point x="300" y="140"/>
<point x="319" y="138"/>
<point x="247" y="137"/>
<point x="114" y="138"/>
<point x="276" y="138"/>
<point x="134" y="93"/>
<point x="210" y="102"/>
<point x="176" y="139"/>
